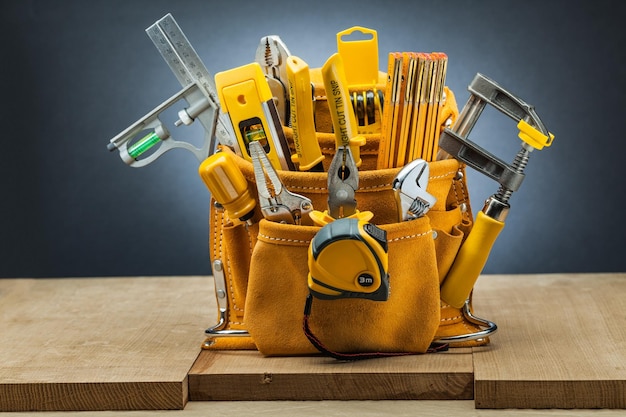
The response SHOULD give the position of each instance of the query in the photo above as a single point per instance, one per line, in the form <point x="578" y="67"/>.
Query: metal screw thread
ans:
<point x="518" y="165"/>
<point x="418" y="208"/>
<point x="269" y="60"/>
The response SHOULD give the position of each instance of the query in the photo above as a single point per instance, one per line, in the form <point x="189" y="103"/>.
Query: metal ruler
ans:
<point x="188" y="68"/>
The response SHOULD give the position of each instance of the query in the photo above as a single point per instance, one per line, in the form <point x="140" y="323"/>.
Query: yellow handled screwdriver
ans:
<point x="473" y="255"/>
<point x="228" y="186"/>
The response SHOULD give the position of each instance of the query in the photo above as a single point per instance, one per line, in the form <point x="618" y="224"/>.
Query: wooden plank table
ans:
<point x="395" y="408"/>
<point x="99" y="343"/>
<point x="562" y="342"/>
<point x="134" y="343"/>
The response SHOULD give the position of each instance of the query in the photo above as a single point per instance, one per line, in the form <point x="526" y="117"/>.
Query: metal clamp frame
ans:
<point x="455" y="141"/>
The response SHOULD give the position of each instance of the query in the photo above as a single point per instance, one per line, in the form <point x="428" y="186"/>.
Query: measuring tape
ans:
<point x="347" y="259"/>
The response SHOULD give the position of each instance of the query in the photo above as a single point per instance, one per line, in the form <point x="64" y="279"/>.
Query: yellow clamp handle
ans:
<point x="470" y="260"/>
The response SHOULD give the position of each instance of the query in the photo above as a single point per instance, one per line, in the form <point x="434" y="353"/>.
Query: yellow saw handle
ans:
<point x="470" y="260"/>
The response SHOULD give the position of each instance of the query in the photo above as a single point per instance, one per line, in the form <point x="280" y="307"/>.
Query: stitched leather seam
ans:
<point x="231" y="286"/>
<point x="446" y="175"/>
<point x="280" y="239"/>
<point x="371" y="187"/>
<point x="299" y="187"/>
<point x="216" y="238"/>
<point x="469" y="328"/>
<point x="250" y="244"/>
<point x="374" y="187"/>
<point x="451" y="318"/>
<point x="410" y="236"/>
<point x="228" y="268"/>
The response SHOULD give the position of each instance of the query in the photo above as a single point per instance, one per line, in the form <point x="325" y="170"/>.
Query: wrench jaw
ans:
<point x="409" y="187"/>
<point x="414" y="207"/>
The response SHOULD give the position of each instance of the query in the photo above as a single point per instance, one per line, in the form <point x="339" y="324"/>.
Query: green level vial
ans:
<point x="143" y="144"/>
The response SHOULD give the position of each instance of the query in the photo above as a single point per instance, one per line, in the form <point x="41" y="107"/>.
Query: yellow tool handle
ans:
<point x="341" y="111"/>
<point x="227" y="184"/>
<point x="245" y="96"/>
<point x="308" y="154"/>
<point x="470" y="260"/>
<point x="360" y="56"/>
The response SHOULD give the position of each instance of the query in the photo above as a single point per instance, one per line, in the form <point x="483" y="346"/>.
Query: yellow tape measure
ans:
<point x="348" y="259"/>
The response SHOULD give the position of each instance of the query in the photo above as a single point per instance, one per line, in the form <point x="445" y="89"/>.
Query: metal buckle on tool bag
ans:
<point x="222" y="303"/>
<point x="491" y="328"/>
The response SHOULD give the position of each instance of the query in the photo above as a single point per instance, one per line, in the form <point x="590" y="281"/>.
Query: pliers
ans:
<point x="343" y="181"/>
<point x="272" y="54"/>
<point x="277" y="203"/>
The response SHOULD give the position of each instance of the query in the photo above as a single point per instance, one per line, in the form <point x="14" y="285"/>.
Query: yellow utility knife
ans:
<point x="247" y="99"/>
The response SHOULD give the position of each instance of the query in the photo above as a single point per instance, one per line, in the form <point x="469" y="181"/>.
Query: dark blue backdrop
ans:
<point x="75" y="73"/>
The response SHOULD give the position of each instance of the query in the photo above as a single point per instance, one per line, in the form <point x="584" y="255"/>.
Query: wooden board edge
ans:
<point x="588" y="394"/>
<point x="93" y="396"/>
<point x="331" y="386"/>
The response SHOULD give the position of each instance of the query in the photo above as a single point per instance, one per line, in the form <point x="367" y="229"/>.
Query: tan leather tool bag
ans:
<point x="263" y="284"/>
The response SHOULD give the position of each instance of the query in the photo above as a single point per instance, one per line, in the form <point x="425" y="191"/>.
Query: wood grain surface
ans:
<point x="134" y="343"/>
<point x="100" y="343"/>
<point x="561" y="343"/>
<point x="246" y="375"/>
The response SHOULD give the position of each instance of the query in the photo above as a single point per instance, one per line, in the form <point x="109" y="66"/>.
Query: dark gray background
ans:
<point x="76" y="73"/>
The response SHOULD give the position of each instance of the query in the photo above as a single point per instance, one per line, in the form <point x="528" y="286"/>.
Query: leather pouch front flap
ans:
<point x="277" y="289"/>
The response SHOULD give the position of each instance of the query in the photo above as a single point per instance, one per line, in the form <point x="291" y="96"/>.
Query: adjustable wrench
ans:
<point x="409" y="187"/>
<point x="473" y="255"/>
